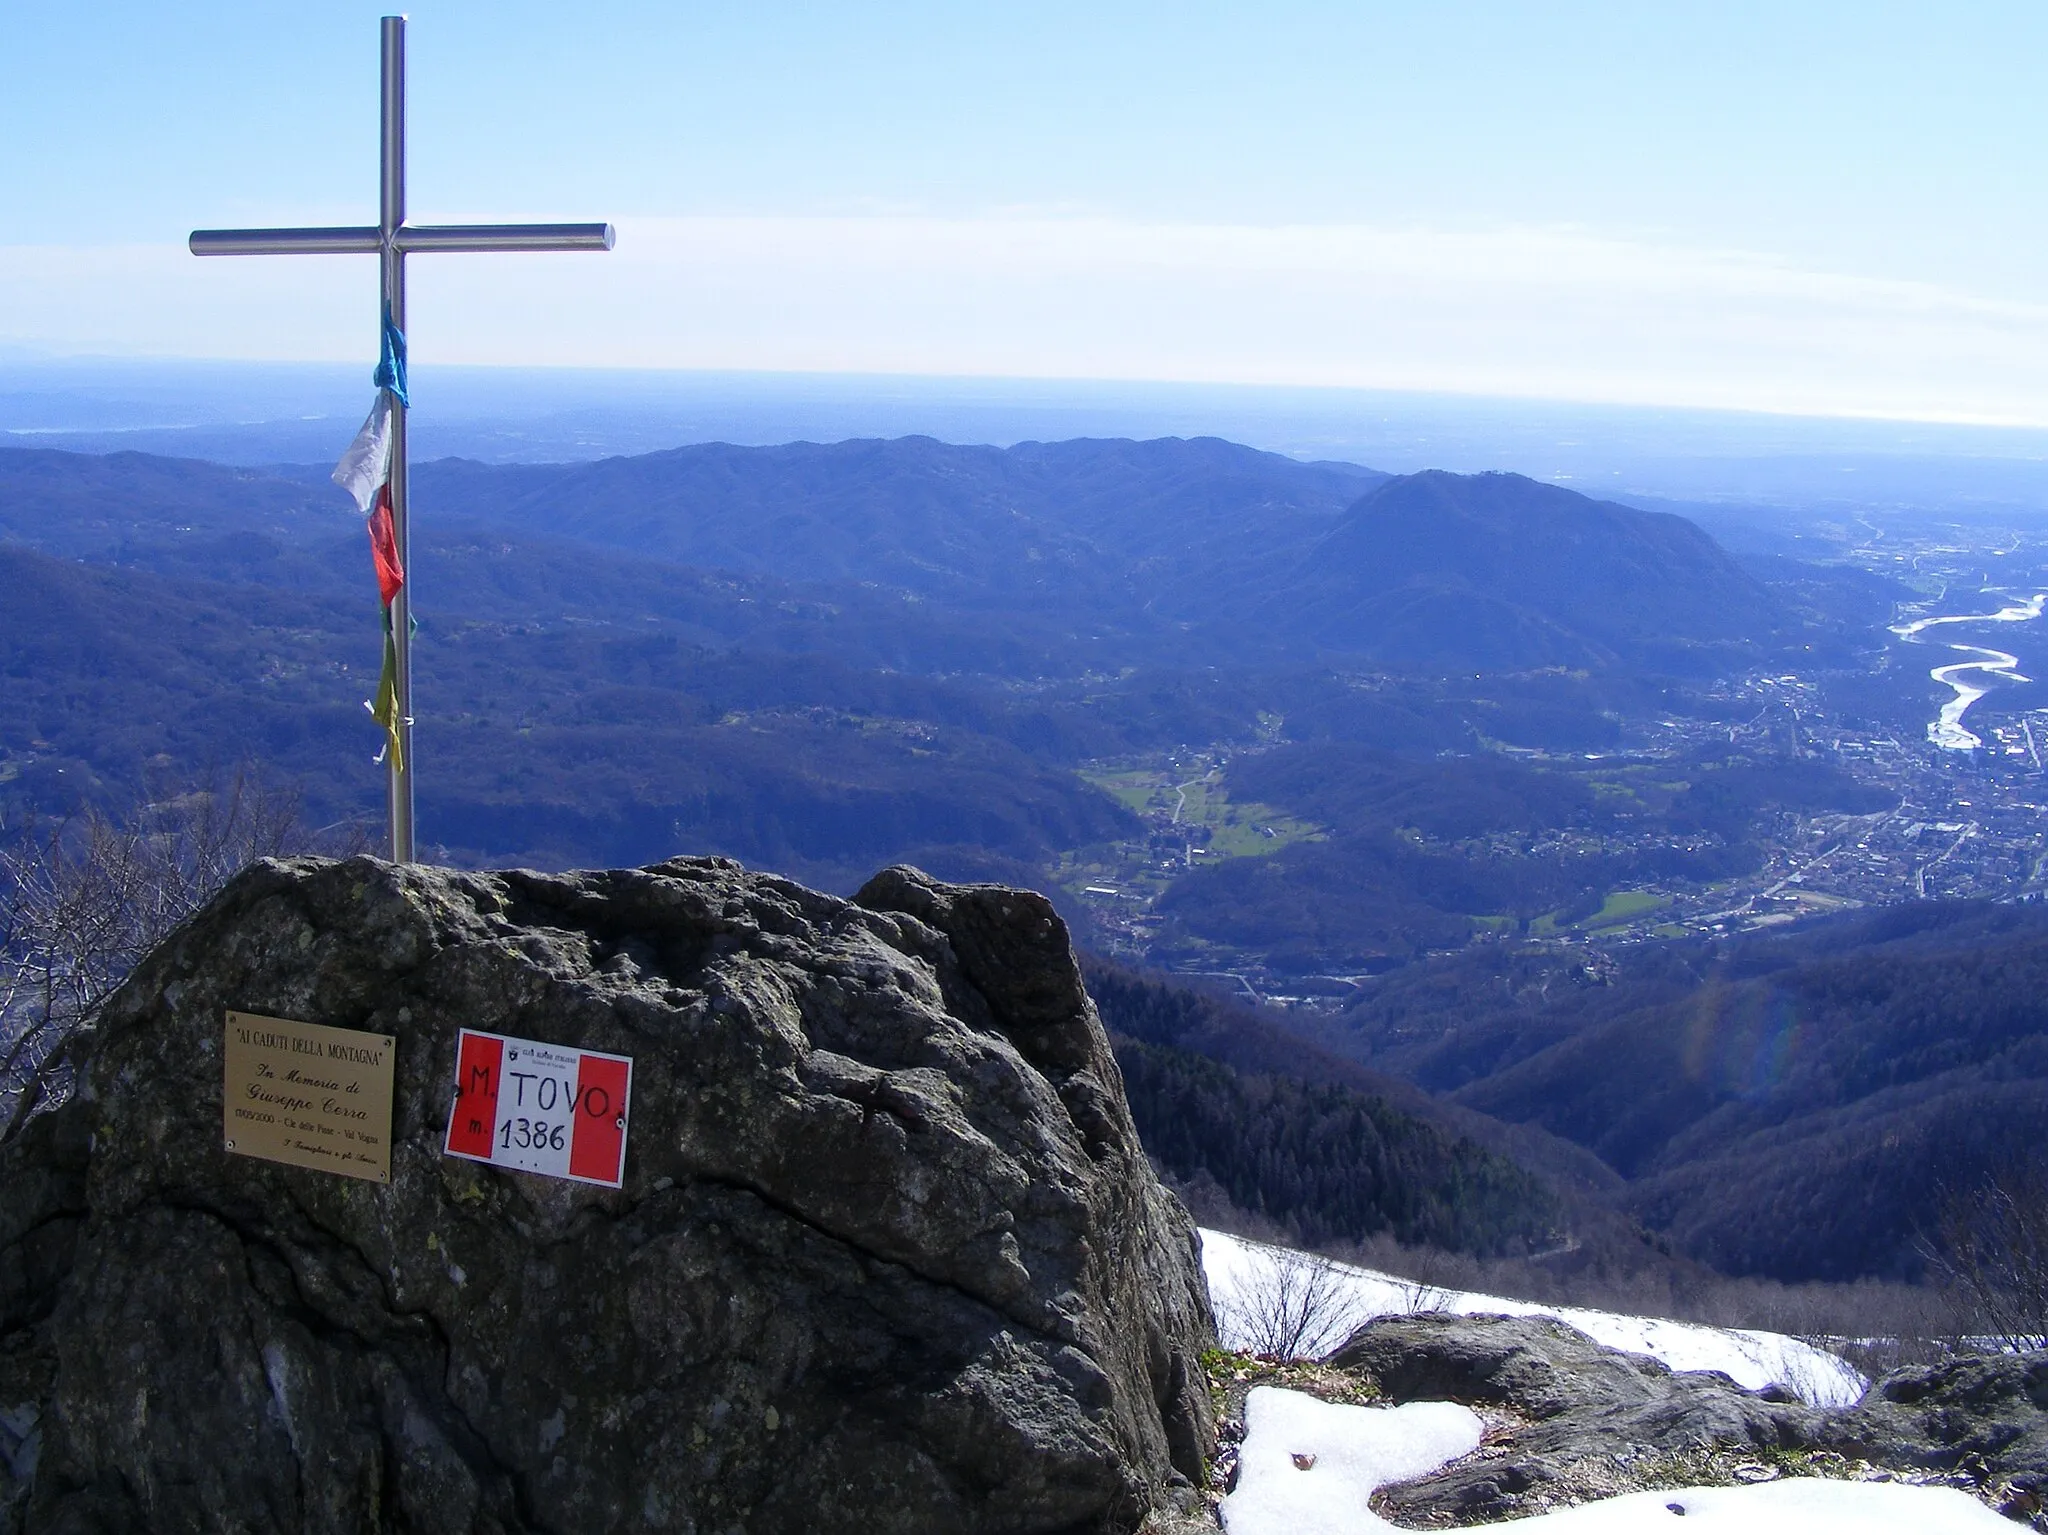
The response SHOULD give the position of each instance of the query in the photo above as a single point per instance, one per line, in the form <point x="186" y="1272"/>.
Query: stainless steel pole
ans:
<point x="390" y="219"/>
<point x="284" y="242"/>
<point x="505" y="237"/>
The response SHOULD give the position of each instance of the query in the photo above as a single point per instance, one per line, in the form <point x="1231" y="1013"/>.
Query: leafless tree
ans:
<point x="83" y="899"/>
<point x="1990" y="1244"/>
<point x="1421" y="1296"/>
<point x="1298" y="1306"/>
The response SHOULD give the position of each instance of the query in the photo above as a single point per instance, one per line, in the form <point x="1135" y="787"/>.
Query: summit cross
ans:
<point x="391" y="239"/>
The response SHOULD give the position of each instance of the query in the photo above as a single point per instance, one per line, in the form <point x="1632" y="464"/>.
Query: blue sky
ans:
<point x="1801" y="207"/>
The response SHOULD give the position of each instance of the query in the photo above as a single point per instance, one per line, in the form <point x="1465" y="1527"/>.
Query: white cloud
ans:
<point x="1555" y="313"/>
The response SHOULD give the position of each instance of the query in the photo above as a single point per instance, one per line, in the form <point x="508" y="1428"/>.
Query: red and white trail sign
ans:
<point x="541" y="1108"/>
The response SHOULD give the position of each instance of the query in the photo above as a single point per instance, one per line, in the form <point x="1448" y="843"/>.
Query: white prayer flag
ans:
<point x="367" y="464"/>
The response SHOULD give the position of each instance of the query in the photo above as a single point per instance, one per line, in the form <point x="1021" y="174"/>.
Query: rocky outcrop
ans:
<point x="1578" y="1413"/>
<point x="888" y="1256"/>
<point x="1985" y="1415"/>
<point x="1574" y="1421"/>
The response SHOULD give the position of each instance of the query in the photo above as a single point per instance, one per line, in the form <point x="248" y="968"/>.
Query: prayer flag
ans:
<point x="365" y="468"/>
<point x="365" y="473"/>
<point x="384" y="548"/>
<point x="384" y="707"/>
<point x="391" y="361"/>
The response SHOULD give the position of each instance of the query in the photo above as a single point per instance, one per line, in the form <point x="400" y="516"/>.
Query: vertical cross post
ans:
<point x="389" y="241"/>
<point x="391" y="286"/>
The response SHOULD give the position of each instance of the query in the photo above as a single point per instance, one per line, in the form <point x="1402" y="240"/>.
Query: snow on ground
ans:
<point x="1355" y="1450"/>
<point x="1350" y="1451"/>
<point x="1795" y="1506"/>
<point x="1236" y="1268"/>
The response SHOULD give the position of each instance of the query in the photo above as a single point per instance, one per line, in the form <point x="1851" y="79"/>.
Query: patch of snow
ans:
<point x="1754" y="1359"/>
<point x="1354" y="1451"/>
<point x="1802" y="1505"/>
<point x="1309" y="1467"/>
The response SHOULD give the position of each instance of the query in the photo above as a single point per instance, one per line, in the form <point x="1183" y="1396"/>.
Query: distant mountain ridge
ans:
<point x="1499" y="570"/>
<point x="116" y="505"/>
<point x="945" y="521"/>
<point x="1430" y="569"/>
<point x="1197" y="549"/>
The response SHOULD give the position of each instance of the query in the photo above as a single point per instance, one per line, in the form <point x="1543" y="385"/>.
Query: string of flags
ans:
<point x="365" y="473"/>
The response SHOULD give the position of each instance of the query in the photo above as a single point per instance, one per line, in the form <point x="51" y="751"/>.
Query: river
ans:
<point x="1970" y="679"/>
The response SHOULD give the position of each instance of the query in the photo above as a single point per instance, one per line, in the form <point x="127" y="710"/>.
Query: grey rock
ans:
<point x="1580" y="1413"/>
<point x="1985" y="1416"/>
<point x="888" y="1257"/>
<point x="1577" y="1420"/>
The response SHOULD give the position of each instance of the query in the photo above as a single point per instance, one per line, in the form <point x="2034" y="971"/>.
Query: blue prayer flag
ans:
<point x="391" y="362"/>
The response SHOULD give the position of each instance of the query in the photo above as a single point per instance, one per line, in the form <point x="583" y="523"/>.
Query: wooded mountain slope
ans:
<point x="1309" y="1142"/>
<point x="1072" y="520"/>
<point x="1499" y="570"/>
<point x="1196" y="551"/>
<point x="1791" y="1105"/>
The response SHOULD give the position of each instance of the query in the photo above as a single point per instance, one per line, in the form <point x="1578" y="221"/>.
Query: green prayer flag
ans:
<point x="384" y="708"/>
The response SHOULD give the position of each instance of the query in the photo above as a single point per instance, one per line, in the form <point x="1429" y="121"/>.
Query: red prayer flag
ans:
<point x="384" y="547"/>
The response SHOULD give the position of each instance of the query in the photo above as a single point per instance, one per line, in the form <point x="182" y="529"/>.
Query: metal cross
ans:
<point x="392" y="239"/>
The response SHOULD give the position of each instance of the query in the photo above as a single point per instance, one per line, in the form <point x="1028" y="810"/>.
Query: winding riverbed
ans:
<point x="1970" y="679"/>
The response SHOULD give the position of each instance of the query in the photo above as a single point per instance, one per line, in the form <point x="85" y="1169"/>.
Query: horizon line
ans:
<point x="21" y="354"/>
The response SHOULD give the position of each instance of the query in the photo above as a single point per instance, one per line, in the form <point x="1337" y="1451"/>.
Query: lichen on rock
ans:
<point x="888" y="1256"/>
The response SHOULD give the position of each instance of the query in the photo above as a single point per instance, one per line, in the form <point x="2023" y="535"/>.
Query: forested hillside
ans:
<point x="1791" y="1105"/>
<point x="1086" y="522"/>
<point x="1501" y="571"/>
<point x="1330" y="1164"/>
<point x="1221" y="1094"/>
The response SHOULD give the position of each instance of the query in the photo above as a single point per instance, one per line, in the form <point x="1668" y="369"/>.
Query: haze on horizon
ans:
<point x="1816" y="208"/>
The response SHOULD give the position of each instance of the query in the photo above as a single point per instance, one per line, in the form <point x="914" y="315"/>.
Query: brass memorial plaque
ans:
<point x="308" y="1095"/>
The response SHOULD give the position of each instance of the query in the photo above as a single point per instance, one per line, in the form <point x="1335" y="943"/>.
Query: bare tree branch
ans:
<point x="84" y="899"/>
<point x="1990" y="1243"/>
<point x="1297" y="1307"/>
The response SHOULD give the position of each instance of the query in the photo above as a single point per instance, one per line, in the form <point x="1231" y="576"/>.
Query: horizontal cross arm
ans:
<point x="506" y="237"/>
<point x="285" y="242"/>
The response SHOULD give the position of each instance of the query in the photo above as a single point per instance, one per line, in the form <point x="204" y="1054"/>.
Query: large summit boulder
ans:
<point x="888" y="1255"/>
